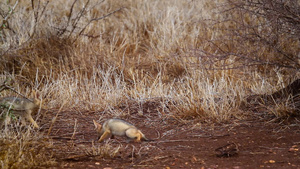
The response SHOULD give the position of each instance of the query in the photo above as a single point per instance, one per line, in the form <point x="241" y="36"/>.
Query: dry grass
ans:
<point x="103" y="151"/>
<point x="187" y="52"/>
<point x="24" y="148"/>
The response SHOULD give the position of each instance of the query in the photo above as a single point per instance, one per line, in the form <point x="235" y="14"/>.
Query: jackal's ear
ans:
<point x="35" y="94"/>
<point x="97" y="125"/>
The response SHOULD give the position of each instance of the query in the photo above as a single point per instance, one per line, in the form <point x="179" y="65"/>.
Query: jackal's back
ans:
<point x="19" y="104"/>
<point x="117" y="127"/>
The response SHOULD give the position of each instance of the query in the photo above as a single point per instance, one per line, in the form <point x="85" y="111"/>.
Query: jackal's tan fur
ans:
<point x="118" y="127"/>
<point x="21" y="107"/>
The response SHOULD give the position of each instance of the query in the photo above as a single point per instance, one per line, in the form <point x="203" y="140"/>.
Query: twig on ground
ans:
<point x="54" y="119"/>
<point x="75" y="128"/>
<point x="62" y="138"/>
<point x="79" y="157"/>
<point x="154" y="158"/>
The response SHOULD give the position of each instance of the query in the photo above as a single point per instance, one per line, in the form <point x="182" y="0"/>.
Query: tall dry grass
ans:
<point x="192" y="53"/>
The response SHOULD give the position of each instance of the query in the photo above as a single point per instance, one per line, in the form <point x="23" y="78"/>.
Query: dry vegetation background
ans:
<point x="200" y="59"/>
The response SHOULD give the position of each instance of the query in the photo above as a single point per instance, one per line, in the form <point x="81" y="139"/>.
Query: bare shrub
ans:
<point x="260" y="33"/>
<point x="270" y="34"/>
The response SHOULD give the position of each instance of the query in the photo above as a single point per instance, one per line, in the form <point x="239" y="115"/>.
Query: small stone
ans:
<point x="271" y="161"/>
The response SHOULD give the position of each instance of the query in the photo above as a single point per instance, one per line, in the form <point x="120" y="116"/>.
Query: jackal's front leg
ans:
<point x="29" y="118"/>
<point x="104" y="136"/>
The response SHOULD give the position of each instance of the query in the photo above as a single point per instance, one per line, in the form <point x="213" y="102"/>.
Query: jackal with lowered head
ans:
<point x="21" y="107"/>
<point x="118" y="127"/>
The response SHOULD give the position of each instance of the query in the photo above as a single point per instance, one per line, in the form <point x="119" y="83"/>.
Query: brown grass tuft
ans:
<point x="24" y="149"/>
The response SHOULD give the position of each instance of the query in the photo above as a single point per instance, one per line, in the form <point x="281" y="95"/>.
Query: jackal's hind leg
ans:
<point x="23" y="121"/>
<point x="6" y="120"/>
<point x="133" y="133"/>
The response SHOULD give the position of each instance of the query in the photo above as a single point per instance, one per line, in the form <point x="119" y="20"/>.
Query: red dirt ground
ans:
<point x="261" y="143"/>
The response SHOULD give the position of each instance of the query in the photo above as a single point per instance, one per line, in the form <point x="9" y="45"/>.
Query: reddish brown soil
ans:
<point x="261" y="143"/>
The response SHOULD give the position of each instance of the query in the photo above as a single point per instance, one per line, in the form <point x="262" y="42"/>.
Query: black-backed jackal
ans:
<point x="22" y="107"/>
<point x="117" y="127"/>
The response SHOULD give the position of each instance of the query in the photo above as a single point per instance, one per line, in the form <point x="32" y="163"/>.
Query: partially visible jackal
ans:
<point x="22" y="107"/>
<point x="117" y="127"/>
